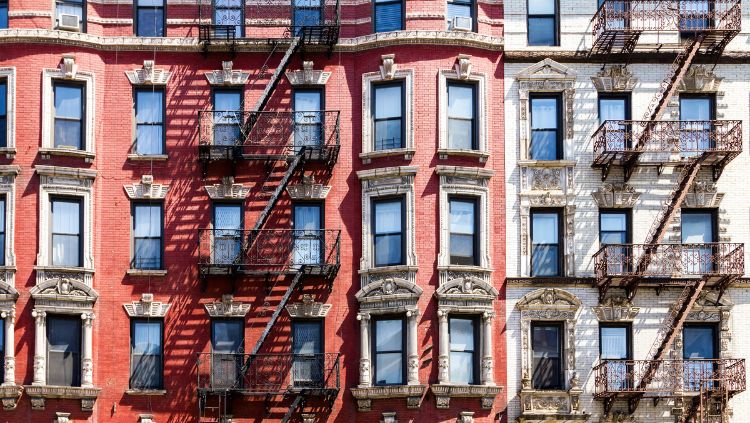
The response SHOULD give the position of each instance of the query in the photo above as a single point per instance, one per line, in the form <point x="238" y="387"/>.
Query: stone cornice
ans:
<point x="663" y="56"/>
<point x="10" y="170"/>
<point x="384" y="172"/>
<point x="467" y="172"/>
<point x="71" y="172"/>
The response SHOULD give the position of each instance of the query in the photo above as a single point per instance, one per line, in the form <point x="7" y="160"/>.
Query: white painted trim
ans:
<point x="368" y="79"/>
<point x="9" y="75"/>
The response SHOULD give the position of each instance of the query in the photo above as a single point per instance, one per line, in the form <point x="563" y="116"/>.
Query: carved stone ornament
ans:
<point x="147" y="189"/>
<point x="62" y="417"/>
<point x="148" y="75"/>
<point x="307" y="75"/>
<point x="227" y="190"/>
<point x="64" y="287"/>
<point x="147" y="307"/>
<point x="616" y="309"/>
<point x="307" y="418"/>
<point x="39" y="393"/>
<point x="227" y="75"/>
<point x="614" y="78"/>
<point x="227" y="307"/>
<point x="68" y="67"/>
<point x="618" y="417"/>
<point x="308" y="308"/>
<point x="146" y="418"/>
<point x="702" y="195"/>
<point x="466" y="291"/>
<point x="615" y="196"/>
<point x="387" y="293"/>
<point x="412" y="393"/>
<point x="700" y="79"/>
<point x="310" y="191"/>
<point x="388" y="68"/>
<point x="466" y="417"/>
<point x="463" y="66"/>
<point x="10" y="394"/>
<point x="389" y="417"/>
<point x="444" y="393"/>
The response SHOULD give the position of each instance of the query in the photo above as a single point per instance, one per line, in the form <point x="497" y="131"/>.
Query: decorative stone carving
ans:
<point x="10" y="394"/>
<point x="62" y="417"/>
<point x="39" y="394"/>
<point x="703" y="195"/>
<point x="387" y="73"/>
<point x="146" y="418"/>
<point x="615" y="196"/>
<point x="616" y="309"/>
<point x="307" y="418"/>
<point x="389" y="294"/>
<point x="699" y="79"/>
<point x="614" y="79"/>
<point x="147" y="307"/>
<point x="148" y="75"/>
<point x="227" y="307"/>
<point x="68" y="67"/>
<point x="539" y="178"/>
<point x="708" y="308"/>
<point x="466" y="417"/>
<point x="463" y="66"/>
<point x="308" y="308"/>
<point x="147" y="189"/>
<point x="444" y="393"/>
<point x="618" y="417"/>
<point x="308" y="191"/>
<point x="388" y="68"/>
<point x="461" y="71"/>
<point x="412" y="393"/>
<point x="227" y="75"/>
<point x="389" y="417"/>
<point x="227" y="190"/>
<point x="308" y="76"/>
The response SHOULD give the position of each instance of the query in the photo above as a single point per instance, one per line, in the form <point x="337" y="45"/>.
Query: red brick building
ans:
<point x="202" y="223"/>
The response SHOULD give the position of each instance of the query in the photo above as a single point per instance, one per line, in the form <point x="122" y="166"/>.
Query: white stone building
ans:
<point x="578" y="352"/>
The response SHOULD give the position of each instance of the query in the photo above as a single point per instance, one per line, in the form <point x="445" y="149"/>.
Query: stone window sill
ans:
<point x="10" y="153"/>
<point x="408" y="154"/>
<point x="38" y="394"/>
<point x="444" y="153"/>
<point x="63" y="269"/>
<point x="148" y="157"/>
<point x="146" y="392"/>
<point x="547" y="163"/>
<point x="388" y="269"/>
<point x="486" y="393"/>
<point x="463" y="268"/>
<point x="365" y="394"/>
<point x="144" y="272"/>
<point x="47" y="152"/>
<point x="9" y="395"/>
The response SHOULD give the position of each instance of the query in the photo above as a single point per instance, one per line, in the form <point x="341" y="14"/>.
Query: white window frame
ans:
<point x="9" y="75"/>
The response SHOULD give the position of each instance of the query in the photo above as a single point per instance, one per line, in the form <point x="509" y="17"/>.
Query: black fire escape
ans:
<point x="285" y="142"/>
<point x="702" y="28"/>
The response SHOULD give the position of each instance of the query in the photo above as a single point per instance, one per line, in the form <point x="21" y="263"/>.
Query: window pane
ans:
<point x="146" y="372"/>
<point x="613" y="238"/>
<point x="227" y="217"/>
<point x="543" y="145"/>
<point x="387" y="217"/>
<point x="68" y="101"/>
<point x="389" y="335"/>
<point x="612" y="109"/>
<point x="388" y="134"/>
<point x="387" y="101"/>
<point x="63" y="351"/>
<point x="149" y="139"/>
<point x="462" y="218"/>
<point x="544" y="260"/>
<point x="150" y="22"/>
<point x="388" y="250"/>
<point x="227" y="100"/>
<point x="699" y="342"/>
<point x="457" y="9"/>
<point x="65" y="250"/>
<point x="697" y="228"/>
<point x="544" y="113"/>
<point x="614" y="222"/>
<point x="307" y="218"/>
<point x="460" y="134"/>
<point x="227" y="336"/>
<point x="542" y="31"/>
<point x="461" y="334"/>
<point x="387" y="16"/>
<point x="147" y="254"/>
<point x="462" y="246"/>
<point x="3" y="15"/>
<point x="147" y="220"/>
<point x="461" y="101"/>
<point x="389" y="368"/>
<point x="545" y="228"/>
<point x="3" y="132"/>
<point x="3" y="98"/>
<point x="70" y="8"/>
<point x="307" y="101"/>
<point x="546" y="356"/>
<point x="541" y="7"/>
<point x="614" y="343"/>
<point x="462" y="367"/>
<point x="147" y="338"/>
<point x="695" y="109"/>
<point x="150" y="106"/>
<point x="68" y="133"/>
<point x="306" y="338"/>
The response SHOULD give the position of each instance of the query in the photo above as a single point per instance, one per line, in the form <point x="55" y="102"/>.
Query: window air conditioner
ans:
<point x="68" y="22"/>
<point x="463" y="23"/>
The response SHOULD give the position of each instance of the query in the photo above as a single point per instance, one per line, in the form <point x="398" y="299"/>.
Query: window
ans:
<point x="307" y="13"/>
<point x="67" y="242"/>
<point x="698" y="232"/>
<point x="307" y="348"/>
<point x="615" y="344"/>
<point x="542" y="23"/>
<point x="2" y="346"/>
<point x="147" y="236"/>
<point x="464" y="240"/>
<point x="146" y="351"/>
<point x="696" y="115"/>
<point x="546" y="347"/>
<point x="388" y="351"/>
<point x="388" y="231"/>
<point x="616" y="107"/>
<point x="388" y="119"/>
<point x="2" y="229"/>
<point x="696" y="16"/>
<point x="308" y="238"/>
<point x="546" y="131"/>
<point x="71" y="7"/>
<point x="614" y="228"/>
<point x="229" y="18"/>
<point x="227" y="341"/>
<point x="546" y="251"/>
<point x="464" y="354"/>
<point x="3" y="14"/>
<point x="462" y="121"/>
<point x="69" y="115"/>
<point x="64" y="350"/>
<point x="3" y="107"/>
<point x="308" y="118"/>
<point x="461" y="15"/>
<point x="149" y="122"/>
<point x="227" y="237"/>
<point x="388" y="15"/>
<point x="227" y="116"/>
<point x="149" y="18"/>
<point x="700" y="343"/>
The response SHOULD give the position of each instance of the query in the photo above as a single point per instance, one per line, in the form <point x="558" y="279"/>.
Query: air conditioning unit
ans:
<point x="463" y="23"/>
<point x="68" y="22"/>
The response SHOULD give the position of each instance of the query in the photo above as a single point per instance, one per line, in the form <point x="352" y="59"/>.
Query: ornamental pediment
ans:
<point x="389" y="287"/>
<point x="227" y="307"/>
<point x="469" y="287"/>
<point x="549" y="297"/>
<point x="307" y="75"/>
<point x="547" y="69"/>
<point x="64" y="286"/>
<point x="227" y="76"/>
<point x="308" y="308"/>
<point x="148" y="75"/>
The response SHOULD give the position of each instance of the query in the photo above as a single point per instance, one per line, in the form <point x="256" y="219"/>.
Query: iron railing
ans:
<point x="268" y="133"/>
<point x="670" y="260"/>
<point x="616" y="139"/>
<point x="269" y="250"/>
<point x="268" y="373"/>
<point x="612" y="377"/>
<point x="315" y="21"/>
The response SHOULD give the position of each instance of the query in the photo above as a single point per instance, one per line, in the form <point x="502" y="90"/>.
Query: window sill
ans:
<point x="547" y="163"/>
<point x="444" y="153"/>
<point x="143" y="272"/>
<point x="365" y="394"/>
<point x="146" y="392"/>
<point x="388" y="269"/>
<point x="462" y="268"/>
<point x="38" y="394"/>
<point x="48" y="152"/>
<point x="444" y="393"/>
<point x="10" y="153"/>
<point x="10" y="394"/>
<point x="148" y="157"/>
<point x="64" y="269"/>
<point x="408" y="154"/>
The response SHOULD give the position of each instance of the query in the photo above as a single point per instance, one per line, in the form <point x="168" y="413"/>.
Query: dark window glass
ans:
<point x="229" y="16"/>
<point x="63" y="350"/>
<point x="696" y="115"/>
<point x="71" y="7"/>
<point x="149" y="18"/>
<point x="69" y="113"/>
<point x="307" y="13"/>
<point x="3" y="109"/>
<point x="227" y="233"/>
<point x="149" y="121"/>
<point x="464" y="239"/>
<point x="695" y="16"/>
<point x="614" y="228"/>
<point x="545" y="243"/>
<point x="227" y="340"/>
<point x="388" y="15"/>
<point x="614" y="344"/>
<point x="227" y="117"/>
<point x="3" y="14"/>
<point x="66" y="232"/>
<point x="147" y="236"/>
<point x="2" y="230"/>
<point x="463" y="10"/>
<point x="463" y="351"/>
<point x="2" y="346"/>
<point x="308" y="239"/>
<point x="388" y="116"/>
<point x="699" y="343"/>
<point x="613" y="108"/>
<point x="307" y="346"/>
<point x="146" y="351"/>
<point x="542" y="21"/>
<point x="546" y="131"/>
<point x="389" y="351"/>
<point x="462" y="121"/>
<point x="697" y="229"/>
<point x="388" y="232"/>
<point x="308" y="118"/>
<point x="546" y="349"/>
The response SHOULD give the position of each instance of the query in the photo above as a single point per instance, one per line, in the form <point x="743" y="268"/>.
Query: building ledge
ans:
<point x="10" y="152"/>
<point x="546" y="163"/>
<point x="388" y="269"/>
<point x="444" y="393"/>
<point x="10" y="394"/>
<point x="444" y="153"/>
<point x="146" y="392"/>
<point x="365" y="394"/>
<point x="47" y="153"/>
<point x="145" y="272"/>
<point x="148" y="157"/>
<point x="40" y="393"/>
<point x="408" y="154"/>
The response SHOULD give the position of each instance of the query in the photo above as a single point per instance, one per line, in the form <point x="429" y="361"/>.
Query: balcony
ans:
<point x="617" y="142"/>
<point x="621" y="263"/>
<point x="269" y="251"/>
<point x="234" y="135"/>
<point x="269" y="374"/>
<point x="624" y="378"/>
<point x="618" y="24"/>
<point x="233" y="21"/>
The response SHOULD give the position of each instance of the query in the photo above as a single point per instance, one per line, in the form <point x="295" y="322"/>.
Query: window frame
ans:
<point x="389" y="199"/>
<point x="374" y="352"/>
<point x="716" y="331"/>
<point x="472" y="7"/>
<point x="5" y="5"/>
<point x="628" y="326"/>
<point x="236" y="319"/>
<point x="476" y="236"/>
<point x="614" y="96"/>
<point x="84" y="14"/>
<point x="560" y="239"/>
<point x="82" y="231"/>
<point x="77" y="377"/>
<point x="477" y="347"/>
<point x="560" y="385"/>
<point x="242" y="16"/>
<point x="83" y="132"/>
<point x="628" y="222"/>
<point x="714" y="212"/>
<point x="4" y="217"/>
<point x="4" y="138"/>
<point x="136" y="21"/>
<point x="375" y="15"/>
<point x="133" y="238"/>
<point x="559" y="129"/>
<point x="163" y="124"/>
<point x="133" y="323"/>
<point x="711" y="97"/>
<point x="475" y="111"/>
<point x="374" y="120"/>
<point x="556" y="19"/>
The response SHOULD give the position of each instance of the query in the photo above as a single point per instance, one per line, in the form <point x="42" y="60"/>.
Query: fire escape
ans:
<point x="284" y="144"/>
<point x="698" y="28"/>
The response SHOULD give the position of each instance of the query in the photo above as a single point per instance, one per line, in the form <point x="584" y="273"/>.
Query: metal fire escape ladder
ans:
<point x="299" y="402"/>
<point x="296" y="42"/>
<point x="293" y="164"/>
